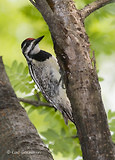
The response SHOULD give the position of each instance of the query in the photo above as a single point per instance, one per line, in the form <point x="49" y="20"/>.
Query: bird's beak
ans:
<point x="38" y="40"/>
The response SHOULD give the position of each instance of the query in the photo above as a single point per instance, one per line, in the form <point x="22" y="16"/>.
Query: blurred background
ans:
<point x="20" y="20"/>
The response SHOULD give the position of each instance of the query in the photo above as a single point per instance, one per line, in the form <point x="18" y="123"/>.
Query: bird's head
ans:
<point x="30" y="46"/>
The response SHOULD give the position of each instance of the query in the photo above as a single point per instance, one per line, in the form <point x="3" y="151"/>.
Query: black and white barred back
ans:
<point x="45" y="72"/>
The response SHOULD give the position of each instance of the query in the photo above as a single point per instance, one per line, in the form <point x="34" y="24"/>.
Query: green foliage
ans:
<point x="20" y="78"/>
<point x="100" y="28"/>
<point x="32" y="14"/>
<point x="101" y="79"/>
<point x="63" y="142"/>
<point x="111" y="118"/>
<point x="80" y="4"/>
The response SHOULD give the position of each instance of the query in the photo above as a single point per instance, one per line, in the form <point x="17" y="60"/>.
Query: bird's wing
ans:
<point x="47" y="80"/>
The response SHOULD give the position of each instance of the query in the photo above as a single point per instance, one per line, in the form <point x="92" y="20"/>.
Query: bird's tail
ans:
<point x="67" y="116"/>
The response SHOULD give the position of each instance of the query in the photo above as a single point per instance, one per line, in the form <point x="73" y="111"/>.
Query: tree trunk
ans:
<point x="19" y="139"/>
<point x="71" y="44"/>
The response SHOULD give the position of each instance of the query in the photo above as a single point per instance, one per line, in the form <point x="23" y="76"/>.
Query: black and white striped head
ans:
<point x="30" y="46"/>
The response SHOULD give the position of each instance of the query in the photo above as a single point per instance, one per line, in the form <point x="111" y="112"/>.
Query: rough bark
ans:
<point x="19" y="139"/>
<point x="71" y="44"/>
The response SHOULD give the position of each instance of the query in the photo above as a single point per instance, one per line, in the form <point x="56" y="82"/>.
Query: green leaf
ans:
<point x="14" y="66"/>
<point x="20" y="78"/>
<point x="31" y="109"/>
<point x="111" y="114"/>
<point x="111" y="118"/>
<point x="63" y="132"/>
<point x="20" y="68"/>
<point x="50" y="134"/>
<point x="101" y="79"/>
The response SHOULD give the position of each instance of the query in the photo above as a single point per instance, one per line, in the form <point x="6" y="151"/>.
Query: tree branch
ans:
<point x="35" y="103"/>
<point x="87" y="10"/>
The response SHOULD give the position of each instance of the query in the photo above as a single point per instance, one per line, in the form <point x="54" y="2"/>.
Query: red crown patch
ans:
<point x="30" y="39"/>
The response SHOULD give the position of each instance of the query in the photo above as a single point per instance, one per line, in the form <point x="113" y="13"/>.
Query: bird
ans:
<point x="45" y="71"/>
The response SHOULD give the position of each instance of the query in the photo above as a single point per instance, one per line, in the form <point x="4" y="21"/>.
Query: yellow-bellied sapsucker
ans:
<point x="45" y="72"/>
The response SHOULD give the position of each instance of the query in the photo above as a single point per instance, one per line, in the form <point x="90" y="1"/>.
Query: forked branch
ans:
<point x="87" y="10"/>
